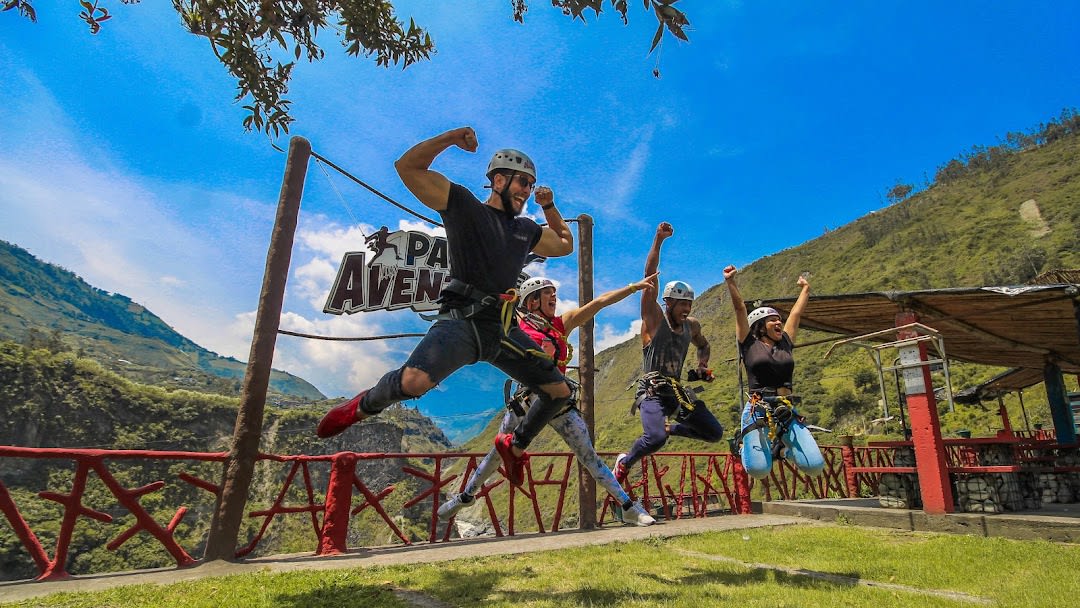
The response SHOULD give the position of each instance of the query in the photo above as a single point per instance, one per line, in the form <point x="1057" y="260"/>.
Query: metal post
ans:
<point x="240" y="465"/>
<point x="1003" y="411"/>
<point x="1060" y="411"/>
<point x="1023" y="410"/>
<point x="925" y="427"/>
<point x="586" y="484"/>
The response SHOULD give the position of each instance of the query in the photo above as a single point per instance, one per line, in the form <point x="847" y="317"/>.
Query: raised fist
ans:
<point x="465" y="138"/>
<point x="544" y="196"/>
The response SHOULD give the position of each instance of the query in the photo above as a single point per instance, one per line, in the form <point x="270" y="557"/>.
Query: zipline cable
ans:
<point x="339" y="339"/>
<point x="322" y="158"/>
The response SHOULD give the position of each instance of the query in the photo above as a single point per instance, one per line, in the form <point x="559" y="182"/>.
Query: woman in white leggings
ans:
<point x="549" y="331"/>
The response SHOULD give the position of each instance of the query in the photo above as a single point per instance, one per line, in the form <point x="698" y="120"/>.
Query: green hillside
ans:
<point x="41" y="302"/>
<point x="995" y="216"/>
<point x="57" y="399"/>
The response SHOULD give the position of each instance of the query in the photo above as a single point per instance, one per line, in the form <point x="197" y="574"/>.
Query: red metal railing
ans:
<point x="675" y="484"/>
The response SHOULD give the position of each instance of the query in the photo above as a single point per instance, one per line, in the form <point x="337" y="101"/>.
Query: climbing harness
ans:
<point x="479" y="301"/>
<point x="544" y="326"/>
<point x="520" y="401"/>
<point x="675" y="399"/>
<point x="776" y="413"/>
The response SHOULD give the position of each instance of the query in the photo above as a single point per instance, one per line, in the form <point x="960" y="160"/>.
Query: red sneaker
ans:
<point x="341" y="417"/>
<point x="514" y="465"/>
<point x="620" y="469"/>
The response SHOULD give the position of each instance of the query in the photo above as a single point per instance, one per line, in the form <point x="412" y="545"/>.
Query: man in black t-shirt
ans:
<point x="488" y="245"/>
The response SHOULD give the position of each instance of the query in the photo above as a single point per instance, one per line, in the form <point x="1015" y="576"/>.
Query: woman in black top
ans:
<point x="765" y="344"/>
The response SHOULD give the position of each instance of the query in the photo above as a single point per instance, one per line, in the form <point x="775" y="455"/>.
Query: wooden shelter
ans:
<point x="1034" y="329"/>
<point x="1023" y="327"/>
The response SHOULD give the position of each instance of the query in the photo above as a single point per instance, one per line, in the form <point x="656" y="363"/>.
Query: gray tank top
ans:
<point x="667" y="351"/>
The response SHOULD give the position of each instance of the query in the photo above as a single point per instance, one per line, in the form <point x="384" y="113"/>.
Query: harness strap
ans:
<point x="653" y="380"/>
<point x="544" y="326"/>
<point x="779" y="413"/>
<point x="521" y="400"/>
<point x="757" y="424"/>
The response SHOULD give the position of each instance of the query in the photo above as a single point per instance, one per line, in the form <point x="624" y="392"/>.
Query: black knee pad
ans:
<point x="385" y="392"/>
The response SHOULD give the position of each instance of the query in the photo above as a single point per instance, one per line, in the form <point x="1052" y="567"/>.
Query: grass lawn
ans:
<point x="804" y="566"/>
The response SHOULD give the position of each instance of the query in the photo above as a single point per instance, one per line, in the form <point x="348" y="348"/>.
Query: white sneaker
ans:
<point x="451" y="507"/>
<point x="636" y="515"/>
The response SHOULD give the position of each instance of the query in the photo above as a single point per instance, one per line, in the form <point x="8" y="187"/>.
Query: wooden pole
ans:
<point x="240" y="464"/>
<point x="586" y="484"/>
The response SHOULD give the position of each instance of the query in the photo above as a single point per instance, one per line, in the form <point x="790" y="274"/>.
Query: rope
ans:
<point x="357" y="180"/>
<point x="341" y="199"/>
<point x="314" y="337"/>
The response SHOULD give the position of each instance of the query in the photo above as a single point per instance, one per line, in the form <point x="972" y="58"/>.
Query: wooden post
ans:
<point x="240" y="465"/>
<point x="586" y="484"/>
<point x="930" y="462"/>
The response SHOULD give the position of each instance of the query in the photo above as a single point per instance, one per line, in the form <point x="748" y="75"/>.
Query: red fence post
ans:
<point x="335" y="530"/>
<point x="742" y="485"/>
<point x="23" y="531"/>
<point x="847" y="454"/>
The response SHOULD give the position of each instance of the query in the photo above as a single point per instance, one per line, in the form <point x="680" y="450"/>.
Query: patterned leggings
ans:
<point x="572" y="428"/>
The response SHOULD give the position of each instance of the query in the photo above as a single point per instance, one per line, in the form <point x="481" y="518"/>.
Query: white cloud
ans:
<point x="339" y="368"/>
<point x="611" y="336"/>
<point x="420" y="226"/>
<point x="625" y="183"/>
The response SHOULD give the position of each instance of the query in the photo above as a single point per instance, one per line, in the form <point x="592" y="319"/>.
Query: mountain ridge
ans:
<point x="41" y="298"/>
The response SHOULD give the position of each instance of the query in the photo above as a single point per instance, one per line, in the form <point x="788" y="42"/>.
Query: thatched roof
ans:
<point x="1022" y="327"/>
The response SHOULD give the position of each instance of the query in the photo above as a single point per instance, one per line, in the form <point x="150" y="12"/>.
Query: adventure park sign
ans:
<point x="407" y="270"/>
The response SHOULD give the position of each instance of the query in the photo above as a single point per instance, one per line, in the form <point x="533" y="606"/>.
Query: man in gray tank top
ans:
<point x="666" y="335"/>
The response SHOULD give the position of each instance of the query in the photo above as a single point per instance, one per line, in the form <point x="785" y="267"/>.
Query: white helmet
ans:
<point x="512" y="160"/>
<point x="677" y="290"/>
<point x="760" y="313"/>
<point x="532" y="286"/>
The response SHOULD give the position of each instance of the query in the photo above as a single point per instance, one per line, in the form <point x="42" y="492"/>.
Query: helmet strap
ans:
<point x="668" y="312"/>
<point x="504" y="196"/>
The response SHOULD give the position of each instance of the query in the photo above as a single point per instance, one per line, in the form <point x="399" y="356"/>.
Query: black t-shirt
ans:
<point x="768" y="367"/>
<point x="487" y="248"/>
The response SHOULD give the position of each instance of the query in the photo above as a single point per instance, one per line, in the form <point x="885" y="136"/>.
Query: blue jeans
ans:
<point x="451" y="344"/>
<point x="698" y="424"/>
<point x="756" y="450"/>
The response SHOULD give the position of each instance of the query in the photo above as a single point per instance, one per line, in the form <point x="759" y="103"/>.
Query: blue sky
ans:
<point x="125" y="160"/>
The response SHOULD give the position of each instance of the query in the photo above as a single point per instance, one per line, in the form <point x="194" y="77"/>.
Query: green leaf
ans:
<point x="656" y="37"/>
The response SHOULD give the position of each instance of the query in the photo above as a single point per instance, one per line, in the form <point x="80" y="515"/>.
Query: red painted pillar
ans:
<point x="930" y="462"/>
<point x="847" y="454"/>
<point x="742" y="485"/>
<point x="335" y="530"/>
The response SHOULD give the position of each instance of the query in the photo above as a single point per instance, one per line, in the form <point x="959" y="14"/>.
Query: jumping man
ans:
<point x="488" y="244"/>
